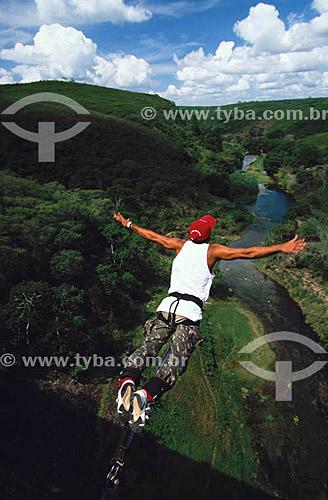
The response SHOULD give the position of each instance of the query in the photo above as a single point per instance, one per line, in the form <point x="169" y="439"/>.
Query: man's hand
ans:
<point x="121" y="219"/>
<point x="293" y="246"/>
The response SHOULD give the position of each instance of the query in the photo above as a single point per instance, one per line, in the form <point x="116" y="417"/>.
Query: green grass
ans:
<point x="96" y="99"/>
<point x="314" y="306"/>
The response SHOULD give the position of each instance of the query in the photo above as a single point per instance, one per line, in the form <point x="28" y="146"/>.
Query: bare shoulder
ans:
<point x="217" y="251"/>
<point x="178" y="244"/>
<point x="214" y="248"/>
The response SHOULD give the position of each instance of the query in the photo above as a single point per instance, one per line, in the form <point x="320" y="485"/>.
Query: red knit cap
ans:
<point x="201" y="229"/>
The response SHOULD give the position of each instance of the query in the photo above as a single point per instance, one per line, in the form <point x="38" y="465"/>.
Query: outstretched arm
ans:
<point x="293" y="246"/>
<point x="172" y="243"/>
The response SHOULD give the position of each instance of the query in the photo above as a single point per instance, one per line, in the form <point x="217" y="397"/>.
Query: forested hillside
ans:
<point x="72" y="279"/>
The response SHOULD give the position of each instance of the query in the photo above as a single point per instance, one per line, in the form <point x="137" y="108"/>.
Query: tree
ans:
<point x="66" y="305"/>
<point x="67" y="264"/>
<point x="242" y="186"/>
<point x="213" y="140"/>
<point x="273" y="161"/>
<point x="28" y="306"/>
<point x="308" y="155"/>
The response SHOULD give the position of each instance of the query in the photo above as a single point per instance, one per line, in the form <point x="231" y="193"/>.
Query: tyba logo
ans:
<point x="283" y="376"/>
<point x="46" y="137"/>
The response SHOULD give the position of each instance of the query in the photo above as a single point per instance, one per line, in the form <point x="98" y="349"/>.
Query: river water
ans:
<point x="248" y="160"/>
<point x="300" y="472"/>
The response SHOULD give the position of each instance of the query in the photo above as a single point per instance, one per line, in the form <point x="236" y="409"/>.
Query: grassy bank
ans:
<point x="309" y="292"/>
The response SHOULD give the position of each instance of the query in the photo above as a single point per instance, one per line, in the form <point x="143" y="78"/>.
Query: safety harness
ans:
<point x="171" y="315"/>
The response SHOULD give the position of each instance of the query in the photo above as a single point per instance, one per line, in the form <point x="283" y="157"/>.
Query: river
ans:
<point x="300" y="472"/>
<point x="248" y="160"/>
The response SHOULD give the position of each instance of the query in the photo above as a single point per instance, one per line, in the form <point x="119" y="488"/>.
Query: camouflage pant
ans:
<point x="183" y="342"/>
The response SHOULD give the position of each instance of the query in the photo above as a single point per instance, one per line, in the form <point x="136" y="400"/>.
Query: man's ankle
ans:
<point x="130" y="372"/>
<point x="123" y="380"/>
<point x="155" y="388"/>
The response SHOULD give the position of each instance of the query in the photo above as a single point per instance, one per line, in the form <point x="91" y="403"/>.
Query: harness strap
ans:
<point x="186" y="296"/>
<point x="171" y="317"/>
<point x="186" y="322"/>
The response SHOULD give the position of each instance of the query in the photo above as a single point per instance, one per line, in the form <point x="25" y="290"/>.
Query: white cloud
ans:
<point x="121" y="71"/>
<point x="115" y="11"/>
<point x="274" y="62"/>
<point x="63" y="52"/>
<point x="67" y="12"/>
<point x="19" y="14"/>
<point x="225" y="51"/>
<point x="267" y="33"/>
<point x="5" y="76"/>
<point x="320" y="5"/>
<point x="294" y="18"/>
<point x="182" y="8"/>
<point x="262" y="28"/>
<point x="57" y="51"/>
<point x="242" y="85"/>
<point x="10" y="35"/>
<point x="35" y="12"/>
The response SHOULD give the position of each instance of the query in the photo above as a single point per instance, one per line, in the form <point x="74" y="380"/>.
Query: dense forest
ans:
<point x="74" y="281"/>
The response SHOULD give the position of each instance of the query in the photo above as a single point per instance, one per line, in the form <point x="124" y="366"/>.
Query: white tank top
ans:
<point x="190" y="274"/>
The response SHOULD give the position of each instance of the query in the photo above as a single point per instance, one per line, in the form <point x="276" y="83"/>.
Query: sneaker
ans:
<point x="124" y="401"/>
<point x="140" y="411"/>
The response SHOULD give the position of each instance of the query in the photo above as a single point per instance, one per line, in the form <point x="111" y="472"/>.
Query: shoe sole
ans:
<point x="124" y="411"/>
<point x="137" y="424"/>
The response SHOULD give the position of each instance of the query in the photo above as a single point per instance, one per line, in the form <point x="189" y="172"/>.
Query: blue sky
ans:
<point x="192" y="52"/>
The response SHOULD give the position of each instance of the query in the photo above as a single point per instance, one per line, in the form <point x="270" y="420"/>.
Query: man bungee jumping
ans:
<point x="179" y="314"/>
